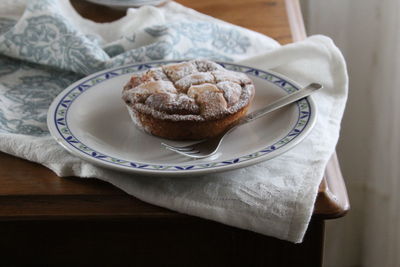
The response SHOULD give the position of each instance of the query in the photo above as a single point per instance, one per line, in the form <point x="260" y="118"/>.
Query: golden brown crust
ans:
<point x="187" y="130"/>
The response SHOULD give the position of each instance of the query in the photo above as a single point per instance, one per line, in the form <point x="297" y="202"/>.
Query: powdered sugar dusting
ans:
<point x="225" y="75"/>
<point x="179" y="70"/>
<point x="196" y="90"/>
<point x="140" y="93"/>
<point x="193" y="79"/>
<point x="204" y="65"/>
<point x="231" y="90"/>
<point x="157" y="74"/>
<point x="165" y="116"/>
<point x="173" y="103"/>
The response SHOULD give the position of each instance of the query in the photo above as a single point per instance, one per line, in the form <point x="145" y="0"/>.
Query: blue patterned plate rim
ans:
<point x="58" y="125"/>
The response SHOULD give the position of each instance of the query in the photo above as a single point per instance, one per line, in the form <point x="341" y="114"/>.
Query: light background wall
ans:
<point x="368" y="34"/>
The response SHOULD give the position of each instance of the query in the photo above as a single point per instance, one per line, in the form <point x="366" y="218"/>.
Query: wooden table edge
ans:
<point x="332" y="200"/>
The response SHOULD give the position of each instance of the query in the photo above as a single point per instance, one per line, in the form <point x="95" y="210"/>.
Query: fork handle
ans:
<point x="286" y="100"/>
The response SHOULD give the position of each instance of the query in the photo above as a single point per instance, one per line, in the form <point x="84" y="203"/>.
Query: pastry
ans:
<point x="190" y="100"/>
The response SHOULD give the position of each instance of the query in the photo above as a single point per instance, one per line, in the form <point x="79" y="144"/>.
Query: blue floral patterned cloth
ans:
<point x="45" y="46"/>
<point x="44" y="50"/>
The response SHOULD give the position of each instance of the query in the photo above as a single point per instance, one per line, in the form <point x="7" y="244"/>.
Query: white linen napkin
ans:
<point x="45" y="46"/>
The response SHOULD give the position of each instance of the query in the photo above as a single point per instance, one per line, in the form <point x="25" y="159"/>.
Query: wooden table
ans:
<point x="45" y="219"/>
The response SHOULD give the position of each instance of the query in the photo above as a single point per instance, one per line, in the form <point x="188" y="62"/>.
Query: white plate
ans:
<point x="90" y="120"/>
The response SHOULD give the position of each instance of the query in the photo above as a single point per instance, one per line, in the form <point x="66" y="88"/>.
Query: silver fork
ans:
<point x="209" y="147"/>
